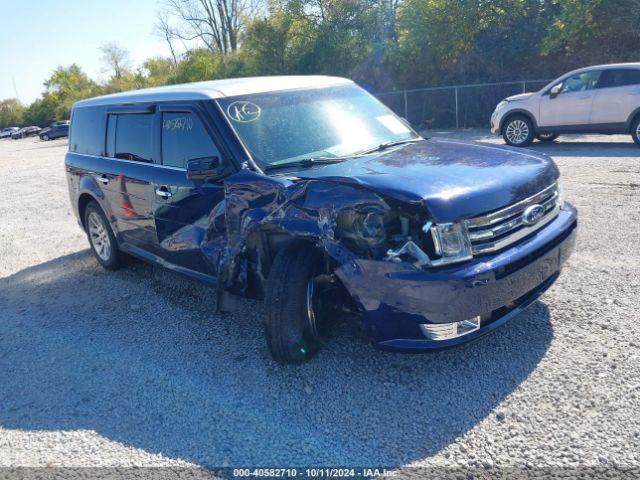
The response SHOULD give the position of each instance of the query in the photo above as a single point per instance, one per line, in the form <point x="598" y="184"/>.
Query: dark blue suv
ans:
<point x="55" y="130"/>
<point x="310" y="194"/>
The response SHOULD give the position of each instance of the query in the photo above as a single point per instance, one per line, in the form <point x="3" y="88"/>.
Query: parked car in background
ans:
<point x="7" y="132"/>
<point x="26" y="132"/>
<point x="309" y="193"/>
<point x="601" y="99"/>
<point x="55" y="130"/>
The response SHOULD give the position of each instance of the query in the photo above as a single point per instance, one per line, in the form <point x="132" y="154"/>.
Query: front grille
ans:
<point x="504" y="227"/>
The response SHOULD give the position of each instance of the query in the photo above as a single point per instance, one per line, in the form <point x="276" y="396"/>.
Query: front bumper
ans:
<point x="396" y="298"/>
<point x="495" y="123"/>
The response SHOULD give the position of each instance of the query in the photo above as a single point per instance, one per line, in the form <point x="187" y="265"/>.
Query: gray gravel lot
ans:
<point x="134" y="367"/>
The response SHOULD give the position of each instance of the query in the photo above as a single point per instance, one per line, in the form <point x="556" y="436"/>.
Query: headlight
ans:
<point x="451" y="242"/>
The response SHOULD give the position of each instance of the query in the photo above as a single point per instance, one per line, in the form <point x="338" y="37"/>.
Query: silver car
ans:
<point x="7" y="132"/>
<point x="602" y="99"/>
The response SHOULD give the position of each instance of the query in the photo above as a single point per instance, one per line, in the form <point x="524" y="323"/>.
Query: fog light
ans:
<point x="447" y="331"/>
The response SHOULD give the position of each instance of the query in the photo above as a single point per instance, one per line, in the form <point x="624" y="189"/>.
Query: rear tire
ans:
<point x="291" y="326"/>
<point x="101" y="238"/>
<point x="635" y="131"/>
<point x="518" y="131"/>
<point x="547" y="137"/>
<point x="46" y="138"/>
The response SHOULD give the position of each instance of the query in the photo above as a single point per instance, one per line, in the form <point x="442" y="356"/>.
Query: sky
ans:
<point x="37" y="36"/>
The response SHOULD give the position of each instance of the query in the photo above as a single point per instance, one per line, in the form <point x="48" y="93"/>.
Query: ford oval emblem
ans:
<point x="533" y="214"/>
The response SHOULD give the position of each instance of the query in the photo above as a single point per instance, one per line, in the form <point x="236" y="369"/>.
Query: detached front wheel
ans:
<point x="518" y="131"/>
<point x="295" y="328"/>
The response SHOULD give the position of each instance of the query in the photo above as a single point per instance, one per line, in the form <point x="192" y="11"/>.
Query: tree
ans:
<point x="116" y="59"/>
<point x="584" y="32"/>
<point x="159" y="71"/>
<point x="218" y="24"/>
<point x="65" y="87"/>
<point x="164" y="30"/>
<point x="201" y="64"/>
<point x="41" y="112"/>
<point x="11" y="112"/>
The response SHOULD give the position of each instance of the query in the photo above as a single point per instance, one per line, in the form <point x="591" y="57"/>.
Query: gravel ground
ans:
<point x="134" y="368"/>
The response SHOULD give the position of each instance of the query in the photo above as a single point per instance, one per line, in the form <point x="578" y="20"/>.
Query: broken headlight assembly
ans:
<point x="404" y="237"/>
<point x="451" y="242"/>
<point x="442" y="244"/>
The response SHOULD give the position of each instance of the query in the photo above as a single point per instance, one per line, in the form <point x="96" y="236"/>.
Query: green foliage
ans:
<point x="65" y="87"/>
<point x="594" y="31"/>
<point x="201" y="64"/>
<point x="11" y="113"/>
<point x="382" y="44"/>
<point x="157" y="71"/>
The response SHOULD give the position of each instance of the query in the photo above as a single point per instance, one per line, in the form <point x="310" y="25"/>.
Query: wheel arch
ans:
<point x="84" y="200"/>
<point x="635" y="115"/>
<point x="518" y="112"/>
<point x="262" y="247"/>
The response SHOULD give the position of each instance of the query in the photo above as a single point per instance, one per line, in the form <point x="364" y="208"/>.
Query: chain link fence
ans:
<point x="458" y="106"/>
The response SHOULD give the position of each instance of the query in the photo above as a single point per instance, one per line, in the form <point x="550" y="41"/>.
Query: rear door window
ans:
<point x="185" y="138"/>
<point x="130" y="137"/>
<point x="619" y="77"/>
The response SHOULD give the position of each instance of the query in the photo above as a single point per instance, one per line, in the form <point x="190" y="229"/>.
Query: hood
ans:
<point x="452" y="179"/>
<point x="520" y="97"/>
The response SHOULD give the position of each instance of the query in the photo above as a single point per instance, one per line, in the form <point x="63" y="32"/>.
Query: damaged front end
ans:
<point x="416" y="284"/>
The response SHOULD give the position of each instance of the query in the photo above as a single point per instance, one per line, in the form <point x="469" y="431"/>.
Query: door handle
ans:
<point x="163" y="192"/>
<point x="584" y="97"/>
<point x="103" y="179"/>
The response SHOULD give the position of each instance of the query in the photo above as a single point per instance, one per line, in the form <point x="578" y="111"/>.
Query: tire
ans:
<point x="101" y="238"/>
<point x="547" y="137"/>
<point x="635" y="131"/>
<point x="518" y="131"/>
<point x="290" y="328"/>
<point x="45" y="138"/>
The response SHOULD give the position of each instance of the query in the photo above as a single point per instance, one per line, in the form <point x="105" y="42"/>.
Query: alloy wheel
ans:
<point x="99" y="236"/>
<point x="517" y="131"/>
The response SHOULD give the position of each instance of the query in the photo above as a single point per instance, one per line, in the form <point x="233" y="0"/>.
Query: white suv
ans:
<point x="601" y="99"/>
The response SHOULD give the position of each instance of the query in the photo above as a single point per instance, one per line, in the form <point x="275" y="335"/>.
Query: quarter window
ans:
<point x="87" y="131"/>
<point x="130" y="137"/>
<point x="184" y="138"/>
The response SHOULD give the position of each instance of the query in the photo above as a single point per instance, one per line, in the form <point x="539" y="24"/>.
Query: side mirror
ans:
<point x="555" y="91"/>
<point x="206" y="168"/>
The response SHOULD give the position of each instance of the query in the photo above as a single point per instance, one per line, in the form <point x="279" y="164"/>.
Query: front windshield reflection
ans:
<point x="283" y="127"/>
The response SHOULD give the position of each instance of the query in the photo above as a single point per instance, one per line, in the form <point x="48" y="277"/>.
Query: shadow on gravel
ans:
<point x="561" y="147"/>
<point x="587" y="149"/>
<point x="140" y="357"/>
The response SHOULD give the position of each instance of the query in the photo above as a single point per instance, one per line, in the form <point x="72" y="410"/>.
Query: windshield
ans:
<point x="283" y="127"/>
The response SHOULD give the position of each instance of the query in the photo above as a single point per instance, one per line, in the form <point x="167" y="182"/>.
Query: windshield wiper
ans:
<point x="307" y="162"/>
<point x="386" y="145"/>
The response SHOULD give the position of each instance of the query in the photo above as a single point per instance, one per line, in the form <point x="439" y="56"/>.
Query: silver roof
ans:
<point x="216" y="89"/>
<point x="592" y="67"/>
